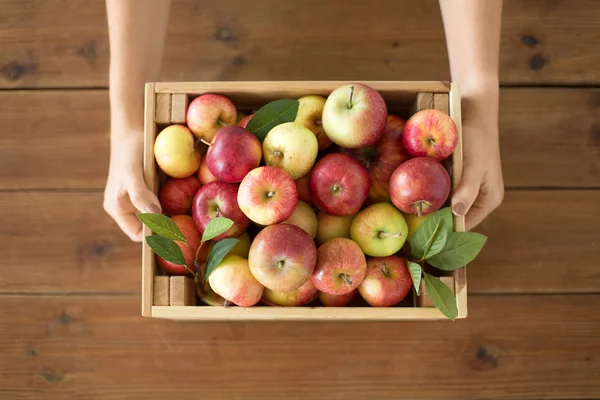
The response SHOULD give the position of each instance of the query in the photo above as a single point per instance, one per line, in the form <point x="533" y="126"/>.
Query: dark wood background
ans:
<point x="70" y="325"/>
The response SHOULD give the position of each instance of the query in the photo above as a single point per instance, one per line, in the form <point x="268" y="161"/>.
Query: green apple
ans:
<point x="380" y="230"/>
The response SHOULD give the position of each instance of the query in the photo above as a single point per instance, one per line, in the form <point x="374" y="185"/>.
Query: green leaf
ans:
<point x="436" y="242"/>
<point x="215" y="227"/>
<point x="272" y="114"/>
<point x="425" y="231"/>
<point x="441" y="295"/>
<point x="162" y="226"/>
<point x="460" y="249"/>
<point x="218" y="252"/>
<point x="166" y="248"/>
<point x="415" y="274"/>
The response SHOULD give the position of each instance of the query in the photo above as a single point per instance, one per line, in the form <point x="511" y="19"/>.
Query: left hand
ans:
<point x="481" y="189"/>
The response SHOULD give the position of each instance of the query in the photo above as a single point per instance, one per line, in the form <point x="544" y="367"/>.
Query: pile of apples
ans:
<point x="322" y="207"/>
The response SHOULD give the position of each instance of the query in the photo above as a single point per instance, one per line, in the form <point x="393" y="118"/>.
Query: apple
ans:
<point x="244" y="121"/>
<point x="331" y="227"/>
<point x="176" y="153"/>
<point x="310" y="115"/>
<point x="337" y="300"/>
<point x="207" y="295"/>
<point x="282" y="257"/>
<point x="382" y="158"/>
<point x="303" y="190"/>
<point x="430" y="133"/>
<point x="219" y="199"/>
<point x="208" y="113"/>
<point x="419" y="186"/>
<point x="299" y="297"/>
<point x="204" y="174"/>
<point x="304" y="217"/>
<point x="193" y="238"/>
<point x="380" y="230"/>
<point x="234" y="152"/>
<point x="176" y="195"/>
<point x="354" y="116"/>
<point x="241" y="248"/>
<point x="387" y="281"/>
<point x="413" y="222"/>
<point x="291" y="147"/>
<point x="267" y="195"/>
<point x="341" y="267"/>
<point x="233" y="281"/>
<point x="339" y="184"/>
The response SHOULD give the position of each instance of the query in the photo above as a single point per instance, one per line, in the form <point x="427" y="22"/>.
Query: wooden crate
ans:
<point x="165" y="104"/>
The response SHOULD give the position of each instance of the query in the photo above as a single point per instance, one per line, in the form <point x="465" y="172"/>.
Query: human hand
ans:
<point x="126" y="193"/>
<point x="481" y="189"/>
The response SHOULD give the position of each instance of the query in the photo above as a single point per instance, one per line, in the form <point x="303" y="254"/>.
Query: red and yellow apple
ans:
<point x="341" y="267"/>
<point x="244" y="121"/>
<point x="303" y="190"/>
<point x="176" y="195"/>
<point x="204" y="174"/>
<point x="176" y="153"/>
<point x="304" y="217"/>
<point x="234" y="152"/>
<point x="430" y="133"/>
<point x="337" y="300"/>
<point x="193" y="238"/>
<point x="387" y="281"/>
<point x="310" y="115"/>
<point x="331" y="227"/>
<point x="299" y="297"/>
<point x="208" y="113"/>
<point x="282" y="257"/>
<point x="233" y="281"/>
<point x="419" y="186"/>
<point x="291" y="147"/>
<point x="380" y="230"/>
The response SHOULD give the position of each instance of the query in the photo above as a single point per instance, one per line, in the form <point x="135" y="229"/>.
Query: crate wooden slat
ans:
<point x="251" y="95"/>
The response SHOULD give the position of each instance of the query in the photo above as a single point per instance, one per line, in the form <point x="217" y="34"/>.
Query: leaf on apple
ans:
<point x="426" y="231"/>
<point x="218" y="252"/>
<point x="215" y="227"/>
<point x="415" y="274"/>
<point x="166" y="248"/>
<point x="162" y="226"/>
<point x="436" y="242"/>
<point x="441" y="296"/>
<point x="272" y="114"/>
<point x="460" y="249"/>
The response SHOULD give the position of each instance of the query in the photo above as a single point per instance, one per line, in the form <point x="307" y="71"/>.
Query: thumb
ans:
<point x="467" y="192"/>
<point x="142" y="198"/>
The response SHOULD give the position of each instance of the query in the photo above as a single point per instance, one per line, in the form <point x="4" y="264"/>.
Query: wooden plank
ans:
<point x="161" y="290"/>
<point x="182" y="291"/>
<point x="179" y="105"/>
<point x="539" y="241"/>
<point x="543" y="41"/>
<point x="163" y="109"/>
<point x="97" y="347"/>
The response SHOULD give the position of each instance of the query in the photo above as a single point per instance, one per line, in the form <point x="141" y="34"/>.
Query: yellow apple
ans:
<point x="304" y="217"/>
<point x="331" y="227"/>
<point x="176" y="153"/>
<point x="291" y="147"/>
<point x="242" y="248"/>
<point x="413" y="221"/>
<point x="310" y="115"/>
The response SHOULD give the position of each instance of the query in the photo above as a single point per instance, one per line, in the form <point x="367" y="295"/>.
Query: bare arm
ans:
<point x="473" y="36"/>
<point x="137" y="30"/>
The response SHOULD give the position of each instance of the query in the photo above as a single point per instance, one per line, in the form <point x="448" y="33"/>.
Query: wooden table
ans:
<point x="70" y="325"/>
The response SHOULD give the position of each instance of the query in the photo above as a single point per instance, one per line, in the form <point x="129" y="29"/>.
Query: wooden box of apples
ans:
<point x="304" y="200"/>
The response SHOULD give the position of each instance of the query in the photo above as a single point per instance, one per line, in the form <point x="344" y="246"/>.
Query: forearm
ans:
<point x="137" y="30"/>
<point x="473" y="38"/>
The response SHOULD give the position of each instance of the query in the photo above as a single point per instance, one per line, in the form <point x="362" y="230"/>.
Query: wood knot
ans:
<point x="225" y="34"/>
<point x="88" y="50"/>
<point x="238" y="61"/>
<point x="395" y="44"/>
<point x="32" y="353"/>
<point x="595" y="135"/>
<point x="484" y="360"/>
<point x="386" y="61"/>
<point x="15" y="70"/>
<point x="530" y="41"/>
<point x="536" y="62"/>
<point x="65" y="318"/>
<point x="93" y="252"/>
<point x="51" y="376"/>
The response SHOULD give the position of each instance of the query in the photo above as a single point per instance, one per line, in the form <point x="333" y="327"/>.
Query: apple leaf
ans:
<point x="460" y="249"/>
<point x="215" y="227"/>
<point x="426" y="230"/>
<point x="415" y="274"/>
<point x="166" y="248"/>
<point x="441" y="296"/>
<point x="162" y="226"/>
<point x="272" y="114"/>
<point x="436" y="242"/>
<point x="218" y="252"/>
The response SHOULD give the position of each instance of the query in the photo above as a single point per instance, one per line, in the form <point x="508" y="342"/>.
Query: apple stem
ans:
<point x="199" y="291"/>
<point x="205" y="142"/>
<point x="270" y="194"/>
<point x="221" y="123"/>
<point x="385" y="270"/>
<point x="346" y="279"/>
<point x="280" y="264"/>
<point x="419" y="209"/>
<point x="387" y="235"/>
<point x="335" y="188"/>
<point x="433" y="143"/>
<point x="278" y="153"/>
<point x="350" y="99"/>
<point x="226" y="303"/>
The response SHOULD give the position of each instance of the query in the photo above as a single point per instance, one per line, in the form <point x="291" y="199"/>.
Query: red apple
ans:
<point x="339" y="184"/>
<point x="387" y="281"/>
<point x="233" y="281"/>
<point x="193" y="238"/>
<point x="341" y="267"/>
<point x="282" y="257"/>
<point x="299" y="297"/>
<point x="204" y="174"/>
<point x="430" y="133"/>
<point x="219" y="199"/>
<point x="234" y="152"/>
<point x="176" y="195"/>
<point x="354" y="116"/>
<point x="267" y="195"/>
<point x="337" y="300"/>
<point x="419" y="186"/>
<point x="303" y="190"/>
<point x="244" y="121"/>
<point x="208" y="113"/>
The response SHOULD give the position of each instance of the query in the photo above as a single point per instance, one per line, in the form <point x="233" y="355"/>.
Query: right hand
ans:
<point x="126" y="193"/>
